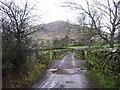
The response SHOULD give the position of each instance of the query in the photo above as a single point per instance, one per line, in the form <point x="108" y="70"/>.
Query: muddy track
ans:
<point x="67" y="73"/>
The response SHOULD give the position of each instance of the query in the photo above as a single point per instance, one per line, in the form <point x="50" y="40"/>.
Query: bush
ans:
<point x="107" y="63"/>
<point x="80" y="54"/>
<point x="45" y="59"/>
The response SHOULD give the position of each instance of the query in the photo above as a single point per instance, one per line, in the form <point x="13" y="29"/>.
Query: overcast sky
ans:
<point x="51" y="10"/>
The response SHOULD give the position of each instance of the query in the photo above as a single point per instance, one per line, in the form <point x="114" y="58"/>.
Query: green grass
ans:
<point x="107" y="45"/>
<point x="80" y="55"/>
<point x="26" y="77"/>
<point x="37" y="72"/>
<point x="77" y="56"/>
<point x="77" y="47"/>
<point x="95" y="46"/>
<point x="100" y="80"/>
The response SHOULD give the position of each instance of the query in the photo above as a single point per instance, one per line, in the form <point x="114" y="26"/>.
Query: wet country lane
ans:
<point x="67" y="73"/>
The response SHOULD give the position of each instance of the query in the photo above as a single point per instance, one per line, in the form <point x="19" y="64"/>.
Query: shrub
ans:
<point x="107" y="63"/>
<point x="80" y="54"/>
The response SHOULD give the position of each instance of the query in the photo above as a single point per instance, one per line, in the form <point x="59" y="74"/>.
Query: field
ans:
<point x="95" y="46"/>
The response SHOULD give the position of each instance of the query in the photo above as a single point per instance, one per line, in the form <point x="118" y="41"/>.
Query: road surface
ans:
<point x="67" y="73"/>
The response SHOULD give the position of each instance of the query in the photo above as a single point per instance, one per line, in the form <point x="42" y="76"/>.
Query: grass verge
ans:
<point x="25" y="78"/>
<point x="35" y="75"/>
<point x="101" y="81"/>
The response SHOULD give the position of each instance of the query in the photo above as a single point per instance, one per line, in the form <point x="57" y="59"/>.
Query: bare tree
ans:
<point x="98" y="13"/>
<point x="86" y="30"/>
<point x="15" y="21"/>
<point x="119" y="25"/>
<point x="67" y="28"/>
<point x="110" y="11"/>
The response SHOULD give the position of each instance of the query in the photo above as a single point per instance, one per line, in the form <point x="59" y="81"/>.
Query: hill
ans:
<point x="60" y="29"/>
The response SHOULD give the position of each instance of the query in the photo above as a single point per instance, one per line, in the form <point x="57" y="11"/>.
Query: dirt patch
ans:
<point x="59" y="71"/>
<point x="80" y="63"/>
<point x="69" y="82"/>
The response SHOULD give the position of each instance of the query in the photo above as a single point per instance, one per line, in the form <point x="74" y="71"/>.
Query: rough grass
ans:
<point x="29" y="72"/>
<point x="100" y="80"/>
<point x="26" y="77"/>
<point x="80" y="54"/>
<point x="34" y="76"/>
<point x="77" y="56"/>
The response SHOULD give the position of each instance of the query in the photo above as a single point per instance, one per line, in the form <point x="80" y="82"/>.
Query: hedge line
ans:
<point x="106" y="62"/>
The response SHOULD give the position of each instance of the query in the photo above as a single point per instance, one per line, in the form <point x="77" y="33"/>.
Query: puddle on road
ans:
<point x="67" y="81"/>
<point x="66" y="75"/>
<point x="75" y="70"/>
<point x="68" y="71"/>
<point x="66" y="78"/>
